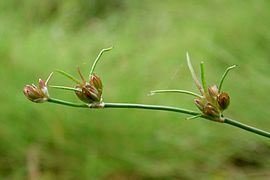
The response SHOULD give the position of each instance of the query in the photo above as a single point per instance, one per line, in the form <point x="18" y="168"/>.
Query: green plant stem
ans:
<point x="175" y="91"/>
<point x="223" y="77"/>
<point x="203" y="78"/>
<point x="246" y="127"/>
<point x="193" y="74"/>
<point x="66" y="103"/>
<point x="48" y="79"/>
<point x="127" y="105"/>
<point x="96" y="61"/>
<point x="165" y="108"/>
<point x="153" y="107"/>
<point x="65" y="88"/>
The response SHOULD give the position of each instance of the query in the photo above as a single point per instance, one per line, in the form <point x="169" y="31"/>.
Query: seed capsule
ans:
<point x="91" y="91"/>
<point x="96" y="82"/>
<point x="88" y="93"/>
<point x="223" y="100"/>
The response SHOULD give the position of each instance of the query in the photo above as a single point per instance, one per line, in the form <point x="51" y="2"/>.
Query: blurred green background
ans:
<point x="48" y="141"/>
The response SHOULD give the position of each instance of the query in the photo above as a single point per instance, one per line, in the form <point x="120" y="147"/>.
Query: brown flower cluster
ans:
<point x="212" y="102"/>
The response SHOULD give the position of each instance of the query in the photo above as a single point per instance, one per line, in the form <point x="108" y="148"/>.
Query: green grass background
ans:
<point x="150" y="40"/>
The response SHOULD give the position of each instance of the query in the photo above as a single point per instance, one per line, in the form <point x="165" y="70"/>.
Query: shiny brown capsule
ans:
<point x="223" y="100"/>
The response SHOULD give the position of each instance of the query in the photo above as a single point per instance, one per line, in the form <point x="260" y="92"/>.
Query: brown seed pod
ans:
<point x="223" y="100"/>
<point x="91" y="91"/>
<point x="96" y="82"/>
<point x="88" y="93"/>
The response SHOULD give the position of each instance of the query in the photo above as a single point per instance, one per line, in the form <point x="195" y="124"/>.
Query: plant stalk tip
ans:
<point x="203" y="77"/>
<point x="223" y="77"/>
<point x="193" y="74"/>
<point x="97" y="59"/>
<point x="48" y="79"/>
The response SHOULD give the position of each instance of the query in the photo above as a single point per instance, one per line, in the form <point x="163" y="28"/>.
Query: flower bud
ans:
<point x="37" y="94"/>
<point x="199" y="103"/>
<point x="96" y="82"/>
<point x="210" y="110"/>
<point x="213" y="91"/>
<point x="88" y="93"/>
<point x="223" y="100"/>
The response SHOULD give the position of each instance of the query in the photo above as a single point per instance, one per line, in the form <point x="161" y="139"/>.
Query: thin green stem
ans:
<point x="203" y="77"/>
<point x="175" y="91"/>
<point x="48" y="79"/>
<point x="65" y="88"/>
<point x="193" y="74"/>
<point x="97" y="59"/>
<point x="223" y="77"/>
<point x="153" y="107"/>
<point x="66" y="103"/>
<point x="68" y="76"/>
<point x="246" y="127"/>
<point x="164" y="108"/>
<point x="194" y="117"/>
<point x="81" y="76"/>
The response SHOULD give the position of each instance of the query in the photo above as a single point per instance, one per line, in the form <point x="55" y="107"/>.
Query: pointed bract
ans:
<point x="213" y="91"/>
<point x="43" y="87"/>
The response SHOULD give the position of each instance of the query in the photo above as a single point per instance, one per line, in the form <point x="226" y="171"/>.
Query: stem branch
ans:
<point x="66" y="103"/>
<point x="153" y="107"/>
<point x="246" y="127"/>
<point x="165" y="108"/>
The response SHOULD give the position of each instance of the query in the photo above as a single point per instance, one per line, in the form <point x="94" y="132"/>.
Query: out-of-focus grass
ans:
<point x="150" y="40"/>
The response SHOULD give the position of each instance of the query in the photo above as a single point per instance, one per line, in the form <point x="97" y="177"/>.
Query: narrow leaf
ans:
<point x="68" y="76"/>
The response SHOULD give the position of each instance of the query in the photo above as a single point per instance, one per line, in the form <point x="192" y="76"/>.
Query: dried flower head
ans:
<point x="37" y="94"/>
<point x="90" y="91"/>
<point x="210" y="101"/>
